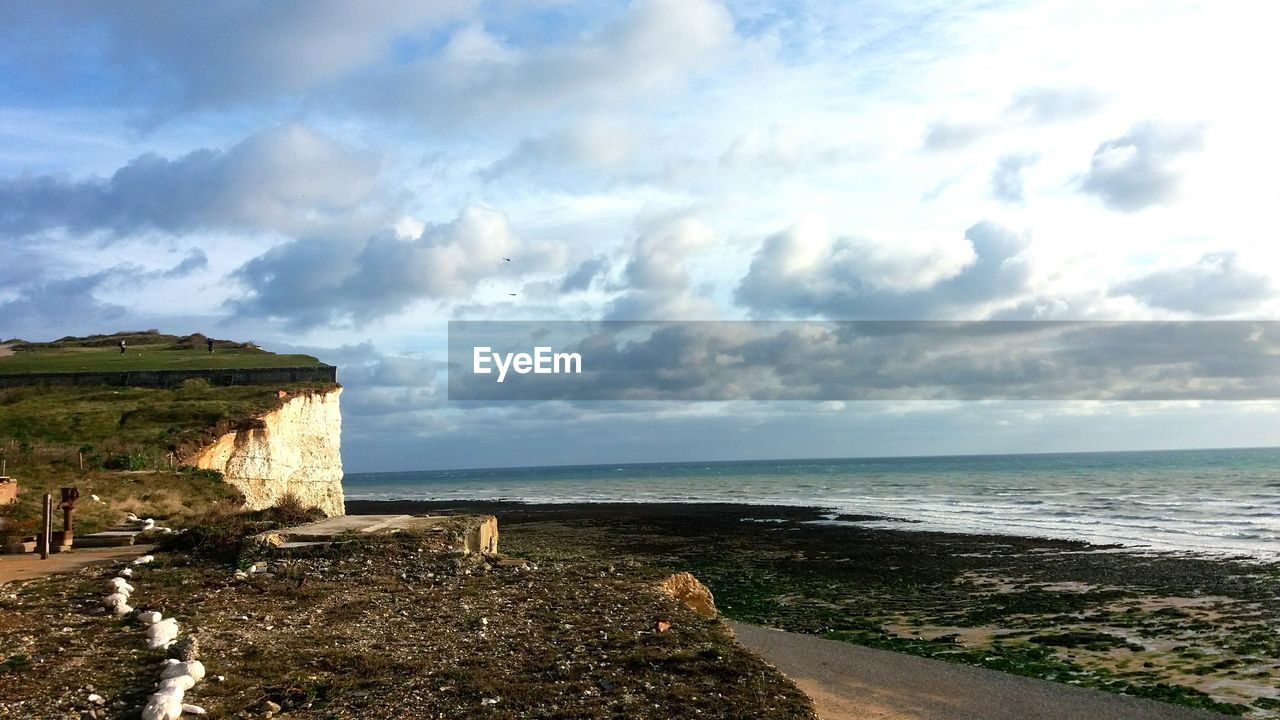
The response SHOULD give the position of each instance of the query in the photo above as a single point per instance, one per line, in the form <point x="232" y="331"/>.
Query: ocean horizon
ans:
<point x="1214" y="501"/>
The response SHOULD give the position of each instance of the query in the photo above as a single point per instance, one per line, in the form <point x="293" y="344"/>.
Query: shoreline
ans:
<point x="1191" y="630"/>
<point x="818" y="515"/>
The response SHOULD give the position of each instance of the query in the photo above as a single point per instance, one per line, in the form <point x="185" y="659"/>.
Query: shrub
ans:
<point x="127" y="461"/>
<point x="194" y="387"/>
<point x="224" y="535"/>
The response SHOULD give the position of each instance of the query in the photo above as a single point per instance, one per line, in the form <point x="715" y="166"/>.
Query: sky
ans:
<point x="346" y="178"/>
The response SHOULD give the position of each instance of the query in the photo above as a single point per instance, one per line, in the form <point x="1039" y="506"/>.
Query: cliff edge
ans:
<point x="292" y="450"/>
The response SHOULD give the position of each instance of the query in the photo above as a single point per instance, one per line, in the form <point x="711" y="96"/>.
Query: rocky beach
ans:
<point x="1191" y="630"/>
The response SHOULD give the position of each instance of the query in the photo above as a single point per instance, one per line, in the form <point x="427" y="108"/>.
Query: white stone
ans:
<point x="161" y="634"/>
<point x="118" y="584"/>
<point x="193" y="668"/>
<point x="164" y="705"/>
<point x="186" y="682"/>
<point x="149" y="617"/>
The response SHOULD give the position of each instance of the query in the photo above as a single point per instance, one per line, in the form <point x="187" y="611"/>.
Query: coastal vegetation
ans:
<point x="125" y="445"/>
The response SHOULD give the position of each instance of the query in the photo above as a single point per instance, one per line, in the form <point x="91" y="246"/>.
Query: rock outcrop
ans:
<point x="292" y="450"/>
<point x="686" y="589"/>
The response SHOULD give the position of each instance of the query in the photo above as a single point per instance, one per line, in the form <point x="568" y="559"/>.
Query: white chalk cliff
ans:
<point x="293" y="450"/>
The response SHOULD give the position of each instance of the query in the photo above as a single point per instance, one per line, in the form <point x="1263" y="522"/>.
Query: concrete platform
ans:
<point x="121" y="535"/>
<point x="467" y="533"/>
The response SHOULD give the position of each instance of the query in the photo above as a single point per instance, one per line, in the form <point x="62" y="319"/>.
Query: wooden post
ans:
<point x="46" y="530"/>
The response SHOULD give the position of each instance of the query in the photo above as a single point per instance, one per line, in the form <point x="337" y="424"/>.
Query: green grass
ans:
<point x="155" y="356"/>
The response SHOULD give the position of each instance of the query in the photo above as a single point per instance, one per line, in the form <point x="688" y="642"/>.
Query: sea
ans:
<point x="1215" y="502"/>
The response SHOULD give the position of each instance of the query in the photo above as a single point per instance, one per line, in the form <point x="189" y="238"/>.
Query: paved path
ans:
<point x="29" y="565"/>
<point x="850" y="682"/>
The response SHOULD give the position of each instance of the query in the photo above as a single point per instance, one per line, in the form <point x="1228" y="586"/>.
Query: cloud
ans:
<point x="205" y="55"/>
<point x="945" y="135"/>
<point x="45" y="303"/>
<point x="1054" y="104"/>
<point x="1006" y="179"/>
<point x="281" y="179"/>
<point x="1136" y="170"/>
<point x="787" y="148"/>
<point x="581" y="277"/>
<point x="311" y="282"/>
<point x="658" y="287"/>
<point x="805" y="272"/>
<point x="597" y="145"/>
<point x="655" y="45"/>
<point x="41" y="301"/>
<point x="194" y="261"/>
<point x="1216" y="284"/>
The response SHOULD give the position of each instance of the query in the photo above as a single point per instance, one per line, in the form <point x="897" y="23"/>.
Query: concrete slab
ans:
<point x="342" y="524"/>
<point x="473" y="533"/>
<point x="119" y="536"/>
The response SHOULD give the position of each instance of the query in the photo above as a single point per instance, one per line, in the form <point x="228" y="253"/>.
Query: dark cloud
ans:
<point x="1135" y="171"/>
<point x="887" y="360"/>
<point x="312" y="282"/>
<point x="194" y="261"/>
<point x="1046" y="105"/>
<point x="844" y="278"/>
<point x="279" y="179"/>
<point x="581" y="277"/>
<point x="1006" y="179"/>
<point x="59" y="303"/>
<point x="45" y="301"/>
<point x="1216" y="284"/>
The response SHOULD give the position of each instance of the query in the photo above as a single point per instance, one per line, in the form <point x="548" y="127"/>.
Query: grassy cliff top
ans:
<point x="148" y="350"/>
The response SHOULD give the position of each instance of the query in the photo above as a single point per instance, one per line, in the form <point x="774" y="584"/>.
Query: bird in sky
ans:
<point x="507" y="259"/>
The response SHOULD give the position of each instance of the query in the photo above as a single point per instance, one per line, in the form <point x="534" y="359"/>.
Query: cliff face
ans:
<point x="292" y="450"/>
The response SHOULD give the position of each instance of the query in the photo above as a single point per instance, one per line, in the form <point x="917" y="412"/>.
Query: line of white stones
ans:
<point x="176" y="676"/>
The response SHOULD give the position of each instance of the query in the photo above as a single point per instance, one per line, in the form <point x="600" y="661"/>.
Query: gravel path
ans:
<point x="849" y="682"/>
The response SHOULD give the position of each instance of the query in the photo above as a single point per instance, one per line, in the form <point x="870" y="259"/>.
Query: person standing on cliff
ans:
<point x="209" y="342"/>
<point x="121" y="347"/>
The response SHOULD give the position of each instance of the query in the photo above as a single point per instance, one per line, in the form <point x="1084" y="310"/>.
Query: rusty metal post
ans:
<point x="68" y="505"/>
<point x="46" y="528"/>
